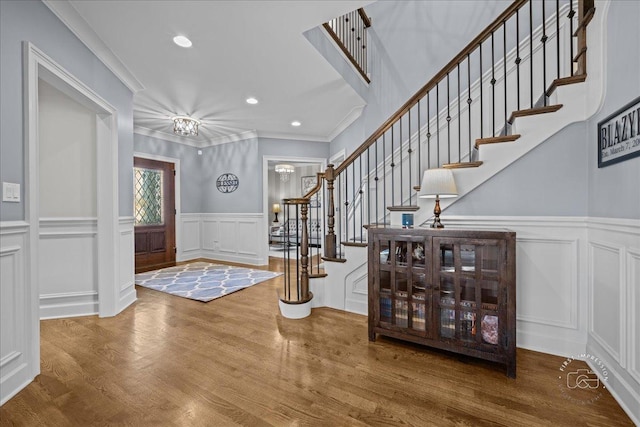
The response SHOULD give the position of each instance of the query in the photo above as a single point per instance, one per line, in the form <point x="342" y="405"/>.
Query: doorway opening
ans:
<point x="155" y="212"/>
<point x="278" y="187"/>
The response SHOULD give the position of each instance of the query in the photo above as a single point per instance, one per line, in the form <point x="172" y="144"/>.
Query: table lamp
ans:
<point x="276" y="209"/>
<point x="437" y="184"/>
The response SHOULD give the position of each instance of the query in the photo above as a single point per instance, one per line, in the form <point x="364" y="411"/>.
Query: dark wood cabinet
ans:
<point x="450" y="289"/>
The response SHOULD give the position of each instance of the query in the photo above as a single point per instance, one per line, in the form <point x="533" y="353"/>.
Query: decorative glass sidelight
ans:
<point x="147" y="196"/>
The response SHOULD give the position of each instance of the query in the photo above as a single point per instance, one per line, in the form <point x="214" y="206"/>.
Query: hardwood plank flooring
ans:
<point x="170" y="361"/>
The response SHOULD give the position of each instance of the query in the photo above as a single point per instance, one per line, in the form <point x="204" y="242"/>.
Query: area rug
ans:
<point x="202" y="281"/>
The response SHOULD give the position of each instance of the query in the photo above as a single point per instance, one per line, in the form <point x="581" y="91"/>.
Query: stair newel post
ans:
<point x="304" y="252"/>
<point x="330" y="238"/>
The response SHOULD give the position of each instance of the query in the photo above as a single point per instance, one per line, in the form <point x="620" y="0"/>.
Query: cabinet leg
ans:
<point x="372" y="335"/>
<point x="511" y="369"/>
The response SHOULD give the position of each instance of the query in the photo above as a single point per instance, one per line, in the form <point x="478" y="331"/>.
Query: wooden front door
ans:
<point x="154" y="214"/>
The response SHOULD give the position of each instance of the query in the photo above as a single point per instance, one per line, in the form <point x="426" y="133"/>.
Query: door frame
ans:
<point x="266" y="221"/>
<point x="37" y="65"/>
<point x="176" y="165"/>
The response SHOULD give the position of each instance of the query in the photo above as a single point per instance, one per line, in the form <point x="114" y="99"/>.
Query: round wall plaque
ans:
<point x="227" y="183"/>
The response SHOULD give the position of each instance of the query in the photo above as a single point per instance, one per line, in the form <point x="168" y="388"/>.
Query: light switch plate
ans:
<point x="10" y="192"/>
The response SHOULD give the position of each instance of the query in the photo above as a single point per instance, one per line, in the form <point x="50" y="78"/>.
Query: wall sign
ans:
<point x="227" y="183"/>
<point x="619" y="135"/>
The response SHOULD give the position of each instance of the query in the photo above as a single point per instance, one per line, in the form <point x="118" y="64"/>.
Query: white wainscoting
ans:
<point x="551" y="291"/>
<point x="191" y="245"/>
<point x="226" y="237"/>
<point x="67" y="267"/>
<point x="126" y="267"/>
<point x="19" y="328"/>
<point x="614" y="306"/>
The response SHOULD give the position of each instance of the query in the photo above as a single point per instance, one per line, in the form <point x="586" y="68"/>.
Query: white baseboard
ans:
<point x="70" y="304"/>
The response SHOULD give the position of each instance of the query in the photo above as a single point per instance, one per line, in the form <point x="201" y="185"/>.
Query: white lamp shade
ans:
<point x="438" y="183"/>
<point x="275" y="208"/>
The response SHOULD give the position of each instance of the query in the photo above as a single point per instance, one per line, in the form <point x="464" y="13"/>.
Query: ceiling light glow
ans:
<point x="252" y="101"/>
<point x="295" y="123"/>
<point x="182" y="41"/>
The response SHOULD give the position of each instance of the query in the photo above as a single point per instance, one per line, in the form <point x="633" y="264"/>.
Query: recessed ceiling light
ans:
<point x="295" y="123"/>
<point x="252" y="101"/>
<point x="182" y="41"/>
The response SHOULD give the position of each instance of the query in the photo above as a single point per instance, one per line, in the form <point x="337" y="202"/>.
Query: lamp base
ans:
<point x="276" y="220"/>
<point x="436" y="212"/>
<point x="436" y="223"/>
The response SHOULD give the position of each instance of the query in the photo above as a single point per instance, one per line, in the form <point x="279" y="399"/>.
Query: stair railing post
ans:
<point x="584" y="6"/>
<point x="330" y="238"/>
<point x="304" y="253"/>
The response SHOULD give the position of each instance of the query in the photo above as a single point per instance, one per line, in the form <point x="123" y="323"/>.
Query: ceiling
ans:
<point x="240" y="49"/>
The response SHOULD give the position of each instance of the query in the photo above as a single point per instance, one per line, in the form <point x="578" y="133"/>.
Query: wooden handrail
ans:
<point x="318" y="186"/>
<point x="484" y="35"/>
<point x="364" y="17"/>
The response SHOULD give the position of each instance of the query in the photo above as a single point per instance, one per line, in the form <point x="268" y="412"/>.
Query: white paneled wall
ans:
<point x="227" y="237"/>
<point x="19" y="328"/>
<point x="577" y="290"/>
<point x="127" y="264"/>
<point x="67" y="267"/>
<point x="614" y="306"/>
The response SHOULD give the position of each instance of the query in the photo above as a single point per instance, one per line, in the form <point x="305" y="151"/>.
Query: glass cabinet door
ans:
<point x="468" y="290"/>
<point x="405" y="290"/>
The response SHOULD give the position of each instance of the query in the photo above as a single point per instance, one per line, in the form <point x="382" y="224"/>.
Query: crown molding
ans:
<point x="243" y="136"/>
<point x="351" y="117"/>
<point x="70" y="17"/>
<point x="293" y="136"/>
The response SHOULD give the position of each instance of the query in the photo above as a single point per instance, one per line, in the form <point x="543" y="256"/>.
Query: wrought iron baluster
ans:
<point x="557" y="39"/>
<point x="438" y="121"/>
<point x="459" y="121"/>
<point x="504" y="63"/>
<point x="518" y="60"/>
<point x="531" y="50"/>
<point x="354" y="196"/>
<point x="493" y="88"/>
<point x="428" y="132"/>
<point x="346" y="204"/>
<point x="544" y="55"/>
<point x="410" y="158"/>
<point x="384" y="176"/>
<point x="361" y="195"/>
<point x="572" y="13"/>
<point x="393" y="170"/>
<point x="481" y="101"/>
<point x="469" y="101"/>
<point x="401" y="163"/>
<point x="448" y="122"/>
<point x="419" y="145"/>
<point x="377" y="217"/>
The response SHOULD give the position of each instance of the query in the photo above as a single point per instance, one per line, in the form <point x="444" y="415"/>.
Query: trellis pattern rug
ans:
<point x="202" y="281"/>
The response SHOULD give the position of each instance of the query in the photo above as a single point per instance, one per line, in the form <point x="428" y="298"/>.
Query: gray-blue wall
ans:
<point x="549" y="180"/>
<point x="33" y="21"/>
<point x="199" y="173"/>
<point x="614" y="191"/>
<point x="561" y="176"/>
<point x="409" y="42"/>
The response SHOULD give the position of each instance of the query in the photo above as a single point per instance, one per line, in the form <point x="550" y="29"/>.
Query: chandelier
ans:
<point x="185" y="126"/>
<point x="285" y="171"/>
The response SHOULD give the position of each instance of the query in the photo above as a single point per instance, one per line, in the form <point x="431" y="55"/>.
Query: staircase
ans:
<point x="512" y="87"/>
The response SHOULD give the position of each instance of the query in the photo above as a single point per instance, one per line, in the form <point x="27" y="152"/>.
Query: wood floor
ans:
<point x="169" y="361"/>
